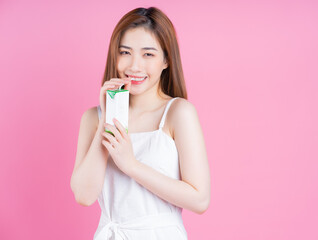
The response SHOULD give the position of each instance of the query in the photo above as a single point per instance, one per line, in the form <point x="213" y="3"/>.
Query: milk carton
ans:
<point x="117" y="106"/>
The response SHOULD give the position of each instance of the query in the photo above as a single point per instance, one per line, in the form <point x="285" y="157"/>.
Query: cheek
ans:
<point x="155" y="68"/>
<point x="121" y="63"/>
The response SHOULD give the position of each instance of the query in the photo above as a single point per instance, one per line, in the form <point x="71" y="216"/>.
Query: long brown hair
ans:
<point x="172" y="80"/>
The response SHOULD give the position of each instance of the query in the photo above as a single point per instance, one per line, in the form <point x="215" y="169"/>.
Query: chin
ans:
<point x="135" y="91"/>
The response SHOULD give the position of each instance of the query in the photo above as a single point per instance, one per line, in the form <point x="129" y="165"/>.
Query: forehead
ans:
<point x="138" y="38"/>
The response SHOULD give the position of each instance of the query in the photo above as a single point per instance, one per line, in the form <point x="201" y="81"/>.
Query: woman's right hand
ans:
<point x="112" y="84"/>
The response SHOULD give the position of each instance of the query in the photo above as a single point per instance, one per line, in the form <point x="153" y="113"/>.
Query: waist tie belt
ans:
<point x="109" y="228"/>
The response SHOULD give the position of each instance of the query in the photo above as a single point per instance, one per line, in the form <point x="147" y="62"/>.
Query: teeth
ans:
<point x="137" y="79"/>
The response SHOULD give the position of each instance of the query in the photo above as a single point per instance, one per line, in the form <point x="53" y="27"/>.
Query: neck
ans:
<point x="147" y="101"/>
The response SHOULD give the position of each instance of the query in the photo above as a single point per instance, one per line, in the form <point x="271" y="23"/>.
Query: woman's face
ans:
<point x="141" y="59"/>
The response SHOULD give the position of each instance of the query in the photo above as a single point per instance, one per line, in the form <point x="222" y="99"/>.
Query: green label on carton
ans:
<point x="112" y="133"/>
<point x="112" y="93"/>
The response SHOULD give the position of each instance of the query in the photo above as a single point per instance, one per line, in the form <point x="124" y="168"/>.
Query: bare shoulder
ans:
<point x="90" y="117"/>
<point x="182" y="115"/>
<point x="180" y="109"/>
<point x="89" y="123"/>
<point x="181" y="105"/>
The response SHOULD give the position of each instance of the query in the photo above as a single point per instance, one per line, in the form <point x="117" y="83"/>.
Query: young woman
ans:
<point x="144" y="178"/>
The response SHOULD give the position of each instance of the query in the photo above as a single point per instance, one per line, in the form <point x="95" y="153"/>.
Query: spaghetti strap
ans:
<point x="162" y="122"/>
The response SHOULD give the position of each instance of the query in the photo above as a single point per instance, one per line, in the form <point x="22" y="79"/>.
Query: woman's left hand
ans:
<point x="119" y="146"/>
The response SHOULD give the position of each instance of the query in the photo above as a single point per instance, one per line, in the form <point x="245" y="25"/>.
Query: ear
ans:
<point x="165" y="64"/>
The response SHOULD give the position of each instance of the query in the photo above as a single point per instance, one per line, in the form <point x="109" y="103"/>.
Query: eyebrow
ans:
<point x="145" y="48"/>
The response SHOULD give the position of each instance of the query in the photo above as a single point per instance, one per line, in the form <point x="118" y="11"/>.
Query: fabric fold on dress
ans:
<point x="115" y="231"/>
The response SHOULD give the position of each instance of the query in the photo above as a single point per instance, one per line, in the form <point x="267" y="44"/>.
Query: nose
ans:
<point x="136" y="63"/>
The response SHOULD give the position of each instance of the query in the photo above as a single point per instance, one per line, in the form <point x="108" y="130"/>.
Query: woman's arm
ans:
<point x="193" y="191"/>
<point x="91" y="160"/>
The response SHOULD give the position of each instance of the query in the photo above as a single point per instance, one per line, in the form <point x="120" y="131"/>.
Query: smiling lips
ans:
<point x="136" y="79"/>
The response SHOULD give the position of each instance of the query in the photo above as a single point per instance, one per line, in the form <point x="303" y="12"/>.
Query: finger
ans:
<point x="128" y="86"/>
<point x="110" y="85"/>
<point x="119" y="80"/>
<point x="121" y="129"/>
<point x="115" y="83"/>
<point x="111" y="139"/>
<point x="109" y="146"/>
<point x="115" y="131"/>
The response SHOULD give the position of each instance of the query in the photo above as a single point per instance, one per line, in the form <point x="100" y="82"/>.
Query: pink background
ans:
<point x="251" y="72"/>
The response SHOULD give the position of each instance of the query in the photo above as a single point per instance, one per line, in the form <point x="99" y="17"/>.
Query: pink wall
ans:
<point x="251" y="71"/>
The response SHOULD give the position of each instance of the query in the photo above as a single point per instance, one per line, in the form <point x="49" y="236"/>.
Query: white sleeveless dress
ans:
<point x="128" y="210"/>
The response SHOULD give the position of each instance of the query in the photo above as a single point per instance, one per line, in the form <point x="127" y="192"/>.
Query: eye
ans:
<point x="124" y="52"/>
<point x="149" y="54"/>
